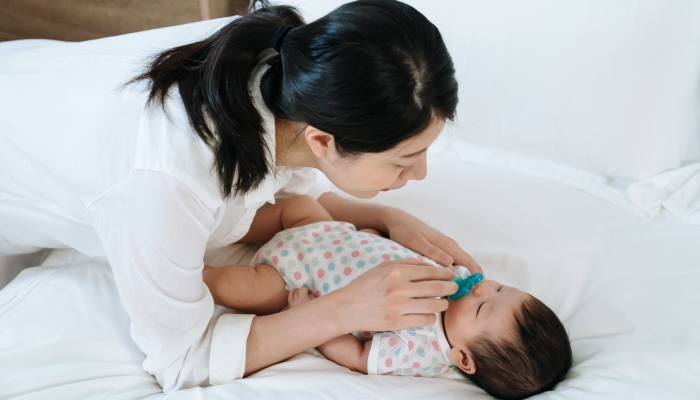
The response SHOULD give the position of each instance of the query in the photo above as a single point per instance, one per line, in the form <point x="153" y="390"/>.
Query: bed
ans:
<point x="572" y="173"/>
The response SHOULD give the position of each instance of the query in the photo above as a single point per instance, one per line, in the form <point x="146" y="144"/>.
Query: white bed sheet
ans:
<point x="626" y="289"/>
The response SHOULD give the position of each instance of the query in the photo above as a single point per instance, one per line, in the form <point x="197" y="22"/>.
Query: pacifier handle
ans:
<point x="465" y="283"/>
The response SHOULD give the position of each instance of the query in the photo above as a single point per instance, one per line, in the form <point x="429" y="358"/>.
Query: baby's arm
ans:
<point x="344" y="350"/>
<point x="261" y="290"/>
<point x="284" y="214"/>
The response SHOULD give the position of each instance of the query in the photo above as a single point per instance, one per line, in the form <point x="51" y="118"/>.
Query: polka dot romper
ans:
<point x="326" y="256"/>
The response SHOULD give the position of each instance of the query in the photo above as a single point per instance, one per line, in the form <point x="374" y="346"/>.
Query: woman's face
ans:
<point x="366" y="175"/>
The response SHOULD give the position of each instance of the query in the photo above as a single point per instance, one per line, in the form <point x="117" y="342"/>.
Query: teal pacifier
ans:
<point x="465" y="281"/>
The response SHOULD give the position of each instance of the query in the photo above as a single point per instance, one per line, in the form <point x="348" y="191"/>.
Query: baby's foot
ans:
<point x="299" y="296"/>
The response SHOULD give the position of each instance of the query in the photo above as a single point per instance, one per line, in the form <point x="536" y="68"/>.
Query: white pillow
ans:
<point x="604" y="89"/>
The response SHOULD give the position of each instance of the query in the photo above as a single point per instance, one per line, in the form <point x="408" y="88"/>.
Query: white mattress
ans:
<point x="626" y="289"/>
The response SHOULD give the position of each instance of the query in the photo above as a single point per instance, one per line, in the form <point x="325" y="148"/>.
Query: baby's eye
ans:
<point x="478" y="309"/>
<point x="499" y="289"/>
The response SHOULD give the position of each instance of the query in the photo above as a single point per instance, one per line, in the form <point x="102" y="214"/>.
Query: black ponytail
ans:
<point x="372" y="73"/>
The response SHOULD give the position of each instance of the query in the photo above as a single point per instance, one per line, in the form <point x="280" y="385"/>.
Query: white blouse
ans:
<point x="84" y="165"/>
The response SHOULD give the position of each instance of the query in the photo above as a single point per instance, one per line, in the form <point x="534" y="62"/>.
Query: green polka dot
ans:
<point x="420" y="352"/>
<point x="291" y="263"/>
<point x="396" y="256"/>
<point x="290" y="237"/>
<point x="295" y="246"/>
<point x="339" y="249"/>
<point x="307" y="268"/>
<point x="331" y="266"/>
<point x="369" y="249"/>
<point x="348" y="237"/>
<point x="405" y="250"/>
<point x="326" y="287"/>
<point x="373" y="260"/>
<point x="282" y="271"/>
<point x="337" y="279"/>
<point x="344" y="259"/>
<point x="360" y="264"/>
<point x="314" y="261"/>
<point x="263" y="260"/>
<point x="377" y="240"/>
<point x="284" y="253"/>
<point x="309" y="249"/>
<point x="319" y="239"/>
<point x="398" y="351"/>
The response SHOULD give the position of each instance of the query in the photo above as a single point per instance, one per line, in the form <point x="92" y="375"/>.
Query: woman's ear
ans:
<point x="464" y="360"/>
<point x="321" y="143"/>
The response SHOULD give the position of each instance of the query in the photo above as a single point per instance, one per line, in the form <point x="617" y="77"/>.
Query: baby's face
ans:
<point x="488" y="309"/>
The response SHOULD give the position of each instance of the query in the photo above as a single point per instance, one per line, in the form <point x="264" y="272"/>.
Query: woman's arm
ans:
<point x="401" y="227"/>
<point x="345" y="350"/>
<point x="394" y="295"/>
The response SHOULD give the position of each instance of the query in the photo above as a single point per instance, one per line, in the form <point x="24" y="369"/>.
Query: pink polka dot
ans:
<point x="297" y="275"/>
<point x="366" y="333"/>
<point x="364" y="241"/>
<point x="418" y="375"/>
<point x="341" y="222"/>
<point x="392" y="341"/>
<point x="327" y="255"/>
<point x="314" y="234"/>
<point x="388" y="362"/>
<point x="347" y="271"/>
<point x="280" y="244"/>
<point x="386" y="257"/>
<point x="436" y="346"/>
<point x="275" y="260"/>
<point x="305" y="241"/>
<point x="410" y="346"/>
<point x="327" y="228"/>
<point x="336" y="242"/>
<point x="355" y="253"/>
<point x="320" y="273"/>
<point x="394" y="248"/>
<point x="416" y="365"/>
<point x="318" y="293"/>
<point x="300" y="256"/>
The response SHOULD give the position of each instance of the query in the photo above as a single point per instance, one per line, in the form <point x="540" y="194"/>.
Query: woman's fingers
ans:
<point x="432" y="289"/>
<point x="425" y="306"/>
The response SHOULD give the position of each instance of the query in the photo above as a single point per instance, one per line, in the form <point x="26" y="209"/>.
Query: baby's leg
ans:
<point x="258" y="290"/>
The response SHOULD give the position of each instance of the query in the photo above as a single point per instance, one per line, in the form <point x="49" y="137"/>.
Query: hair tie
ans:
<point x="279" y="36"/>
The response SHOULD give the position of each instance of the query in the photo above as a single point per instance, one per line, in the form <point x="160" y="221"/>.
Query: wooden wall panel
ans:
<point x="76" y="20"/>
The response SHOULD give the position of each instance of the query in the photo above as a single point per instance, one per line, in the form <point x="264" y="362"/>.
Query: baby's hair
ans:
<point x="538" y="357"/>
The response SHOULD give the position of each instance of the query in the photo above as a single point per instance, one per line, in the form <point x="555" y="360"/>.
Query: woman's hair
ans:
<point x="536" y="360"/>
<point x="372" y="73"/>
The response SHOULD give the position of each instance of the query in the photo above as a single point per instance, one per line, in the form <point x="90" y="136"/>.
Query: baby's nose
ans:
<point x="481" y="289"/>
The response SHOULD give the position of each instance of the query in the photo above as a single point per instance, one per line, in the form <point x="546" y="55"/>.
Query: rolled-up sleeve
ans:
<point x="154" y="231"/>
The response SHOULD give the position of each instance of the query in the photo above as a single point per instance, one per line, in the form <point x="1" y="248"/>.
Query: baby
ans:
<point x="504" y="340"/>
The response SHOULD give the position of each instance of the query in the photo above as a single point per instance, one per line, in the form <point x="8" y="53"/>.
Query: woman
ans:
<point x="153" y="173"/>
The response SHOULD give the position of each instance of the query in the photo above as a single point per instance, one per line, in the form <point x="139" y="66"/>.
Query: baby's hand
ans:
<point x="300" y="296"/>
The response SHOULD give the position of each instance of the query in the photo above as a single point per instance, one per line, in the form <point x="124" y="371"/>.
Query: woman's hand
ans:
<point x="401" y="227"/>
<point x="409" y="231"/>
<point x="396" y="294"/>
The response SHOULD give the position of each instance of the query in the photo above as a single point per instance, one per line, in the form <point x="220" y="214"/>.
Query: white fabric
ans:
<point x="86" y="166"/>
<point x="599" y="94"/>
<point x="226" y="365"/>
<point x="625" y="288"/>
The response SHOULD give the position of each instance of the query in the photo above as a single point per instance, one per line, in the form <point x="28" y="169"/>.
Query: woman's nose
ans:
<point x="419" y="170"/>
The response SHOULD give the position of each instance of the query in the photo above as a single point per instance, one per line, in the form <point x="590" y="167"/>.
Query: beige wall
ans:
<point x="76" y="20"/>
